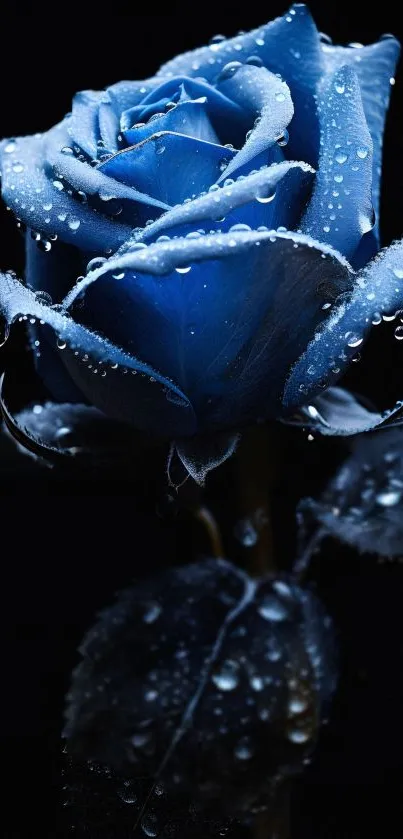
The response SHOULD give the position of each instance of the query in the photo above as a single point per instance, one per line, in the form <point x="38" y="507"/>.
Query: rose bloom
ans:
<point x="200" y="245"/>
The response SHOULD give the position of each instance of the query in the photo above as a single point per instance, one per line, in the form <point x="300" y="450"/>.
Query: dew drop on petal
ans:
<point x="388" y="498"/>
<point x="183" y="269"/>
<point x="353" y="340"/>
<point x="95" y="263"/>
<point x="229" y="70"/>
<point x="265" y="194"/>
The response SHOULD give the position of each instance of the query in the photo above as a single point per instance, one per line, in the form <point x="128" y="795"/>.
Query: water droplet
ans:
<point x="243" y="750"/>
<point x="149" y="825"/>
<point x="17" y="168"/>
<point x="216" y="40"/>
<point x="229" y="70"/>
<point x="280" y="97"/>
<point x="4" y="332"/>
<point x="392" y="81"/>
<point x="150" y="695"/>
<point x="341" y="157"/>
<point x="353" y="340"/>
<point x="398" y="272"/>
<point x="227" y="678"/>
<point x="127" y="794"/>
<point x="183" y="269"/>
<point x="66" y="150"/>
<point x="61" y="344"/>
<point x="257" y="683"/>
<point x="283" y="140"/>
<point x="272" y="609"/>
<point x="338" y="178"/>
<point x="10" y="147"/>
<point x="297" y="705"/>
<point x="339" y="87"/>
<point x="254" y="60"/>
<point x="259" y="42"/>
<point x="61" y="432"/>
<point x="376" y="319"/>
<point x="95" y="263"/>
<point x="388" y="498"/>
<point x="246" y="533"/>
<point x="153" y="612"/>
<point x="362" y="152"/>
<point x="298" y="736"/>
<point x="265" y="194"/>
<point x="399" y="333"/>
<point x="118" y="276"/>
<point x="73" y="223"/>
<point x="240" y="228"/>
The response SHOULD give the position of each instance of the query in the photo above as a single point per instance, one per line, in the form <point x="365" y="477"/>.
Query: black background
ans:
<point x="69" y="543"/>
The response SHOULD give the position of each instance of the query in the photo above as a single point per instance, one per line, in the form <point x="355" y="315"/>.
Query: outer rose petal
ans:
<point x="225" y="328"/>
<point x="340" y="210"/>
<point x="378" y="288"/>
<point x="112" y="380"/>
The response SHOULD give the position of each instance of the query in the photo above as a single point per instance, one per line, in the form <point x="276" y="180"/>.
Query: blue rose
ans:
<point x="207" y="237"/>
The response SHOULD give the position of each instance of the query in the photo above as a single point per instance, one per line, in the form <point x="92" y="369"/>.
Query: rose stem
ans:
<point x="255" y="472"/>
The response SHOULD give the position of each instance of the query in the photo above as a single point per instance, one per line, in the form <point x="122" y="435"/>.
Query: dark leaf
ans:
<point x="363" y="504"/>
<point x="204" y="681"/>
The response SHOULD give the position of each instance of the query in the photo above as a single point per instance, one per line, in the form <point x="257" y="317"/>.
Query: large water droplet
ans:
<point x="183" y="269"/>
<point x="265" y="194"/>
<point x="339" y="87"/>
<point x="227" y="678"/>
<point x="298" y="735"/>
<point x="297" y="705"/>
<point x="280" y="97"/>
<point x="353" y="340"/>
<point x="243" y="750"/>
<point x="398" y="272"/>
<point x="149" y="825"/>
<point x="272" y="609"/>
<point x="10" y="147"/>
<point x="388" y="498"/>
<point x="153" y="612"/>
<point x="399" y="333"/>
<point x="18" y="168"/>
<point x="95" y="263"/>
<point x="127" y="794"/>
<point x="283" y="140"/>
<point x="341" y="157"/>
<point x="229" y="70"/>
